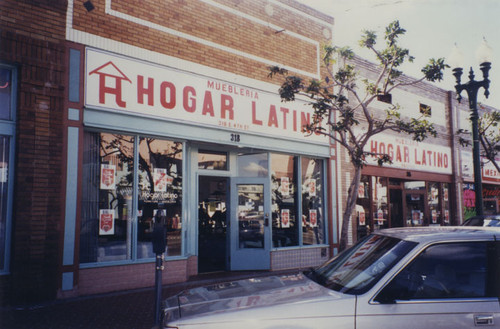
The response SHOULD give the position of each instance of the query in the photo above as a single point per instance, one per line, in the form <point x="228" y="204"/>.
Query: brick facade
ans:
<point x="37" y="50"/>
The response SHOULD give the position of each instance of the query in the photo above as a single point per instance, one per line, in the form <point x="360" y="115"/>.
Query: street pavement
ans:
<point x="132" y="309"/>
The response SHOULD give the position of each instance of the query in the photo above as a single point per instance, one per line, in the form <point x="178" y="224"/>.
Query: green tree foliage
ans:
<point x="489" y="136"/>
<point x="342" y="108"/>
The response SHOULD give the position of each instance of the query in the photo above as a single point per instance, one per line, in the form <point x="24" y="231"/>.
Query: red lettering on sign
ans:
<point x="226" y="105"/>
<point x="167" y="95"/>
<point x="189" y="102"/>
<point x="148" y="91"/>
<point x="208" y="106"/>
<point x="255" y="121"/>
<point x="273" y="119"/>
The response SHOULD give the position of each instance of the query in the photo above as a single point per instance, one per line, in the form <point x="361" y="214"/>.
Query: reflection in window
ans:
<point x="5" y="93"/>
<point x="8" y="93"/>
<point x="253" y="165"/>
<point x="433" y="201"/>
<point x="380" y="208"/>
<point x="312" y="201"/>
<point x="160" y="188"/>
<point x="363" y="207"/>
<point x="453" y="270"/>
<point x="4" y="169"/>
<point x="108" y="230"/>
<point x="105" y="233"/>
<point x="284" y="200"/>
<point x="415" y="185"/>
<point x="212" y="160"/>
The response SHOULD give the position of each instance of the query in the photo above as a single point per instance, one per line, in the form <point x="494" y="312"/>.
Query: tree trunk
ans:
<point x="352" y="196"/>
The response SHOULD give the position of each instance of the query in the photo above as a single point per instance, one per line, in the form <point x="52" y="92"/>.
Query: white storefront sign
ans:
<point x="408" y="154"/>
<point x="123" y="84"/>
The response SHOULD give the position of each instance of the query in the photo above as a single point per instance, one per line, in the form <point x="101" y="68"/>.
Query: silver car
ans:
<point x="430" y="277"/>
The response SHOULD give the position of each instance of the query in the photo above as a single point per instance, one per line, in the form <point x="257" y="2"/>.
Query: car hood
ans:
<point x="245" y="294"/>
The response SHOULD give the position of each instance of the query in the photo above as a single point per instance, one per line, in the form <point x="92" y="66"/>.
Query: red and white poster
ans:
<point x="312" y="187"/>
<point x="106" y="222"/>
<point x="313" y="217"/>
<point x="108" y="173"/>
<point x="285" y="186"/>
<point x="362" y="217"/>
<point x="285" y="218"/>
<point x="434" y="216"/>
<point x="361" y="190"/>
<point x="161" y="179"/>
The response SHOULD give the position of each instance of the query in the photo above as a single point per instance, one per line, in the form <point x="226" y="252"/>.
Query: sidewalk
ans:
<point x="127" y="309"/>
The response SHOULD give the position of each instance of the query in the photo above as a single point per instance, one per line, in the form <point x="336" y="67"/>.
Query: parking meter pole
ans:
<point x="158" y="283"/>
<point x="159" y="246"/>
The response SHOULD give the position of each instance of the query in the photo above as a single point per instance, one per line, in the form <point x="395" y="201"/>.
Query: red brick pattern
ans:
<point x="31" y="38"/>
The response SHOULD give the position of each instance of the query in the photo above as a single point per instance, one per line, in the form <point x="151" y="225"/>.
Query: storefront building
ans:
<point x="418" y="187"/>
<point x="168" y="124"/>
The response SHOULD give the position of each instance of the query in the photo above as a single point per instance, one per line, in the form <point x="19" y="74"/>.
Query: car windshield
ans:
<point x="357" y="269"/>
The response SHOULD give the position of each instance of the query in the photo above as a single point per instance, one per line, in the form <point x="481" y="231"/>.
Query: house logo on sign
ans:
<point x="109" y="72"/>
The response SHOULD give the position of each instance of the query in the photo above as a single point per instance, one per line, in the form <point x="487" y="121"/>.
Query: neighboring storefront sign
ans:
<point x="489" y="171"/>
<point x="118" y="83"/>
<point x="408" y="154"/>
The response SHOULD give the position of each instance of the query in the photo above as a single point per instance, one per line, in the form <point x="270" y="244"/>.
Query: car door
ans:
<point x="448" y="285"/>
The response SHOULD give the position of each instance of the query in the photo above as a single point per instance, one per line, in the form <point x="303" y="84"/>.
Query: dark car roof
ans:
<point x="435" y="234"/>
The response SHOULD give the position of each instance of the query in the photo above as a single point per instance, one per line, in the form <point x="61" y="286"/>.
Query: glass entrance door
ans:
<point x="250" y="227"/>
<point x="212" y="224"/>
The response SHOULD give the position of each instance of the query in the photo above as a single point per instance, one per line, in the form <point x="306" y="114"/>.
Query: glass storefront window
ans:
<point x="380" y="208"/>
<point x="284" y="200"/>
<point x="5" y="93"/>
<point x="4" y="184"/>
<point x="105" y="233"/>
<point x="8" y="81"/>
<point x="363" y="207"/>
<point x="313" y="226"/>
<point x="212" y="160"/>
<point x="108" y="232"/>
<point x="433" y="196"/>
<point x="253" y="165"/>
<point x="160" y="189"/>
<point x="415" y="185"/>
<point x="446" y="204"/>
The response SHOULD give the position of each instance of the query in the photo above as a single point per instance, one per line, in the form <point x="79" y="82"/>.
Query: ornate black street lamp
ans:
<point x="472" y="87"/>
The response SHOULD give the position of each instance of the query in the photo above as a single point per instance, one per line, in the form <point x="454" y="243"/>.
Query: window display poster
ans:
<point x="285" y="186"/>
<point x="313" y="218"/>
<point x="416" y="215"/>
<point x="434" y="216"/>
<point x="446" y="216"/>
<point x="285" y="218"/>
<point x="106" y="222"/>
<point x="362" y="216"/>
<point x="312" y="187"/>
<point x="108" y="173"/>
<point x="160" y="179"/>
<point x="361" y="190"/>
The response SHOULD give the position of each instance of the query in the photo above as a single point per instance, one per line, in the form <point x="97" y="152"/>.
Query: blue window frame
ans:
<point x="8" y="92"/>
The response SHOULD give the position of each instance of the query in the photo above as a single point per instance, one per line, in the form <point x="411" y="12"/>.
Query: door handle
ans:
<point x="483" y="320"/>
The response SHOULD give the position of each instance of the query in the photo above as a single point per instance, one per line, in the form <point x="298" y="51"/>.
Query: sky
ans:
<point x="432" y="27"/>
